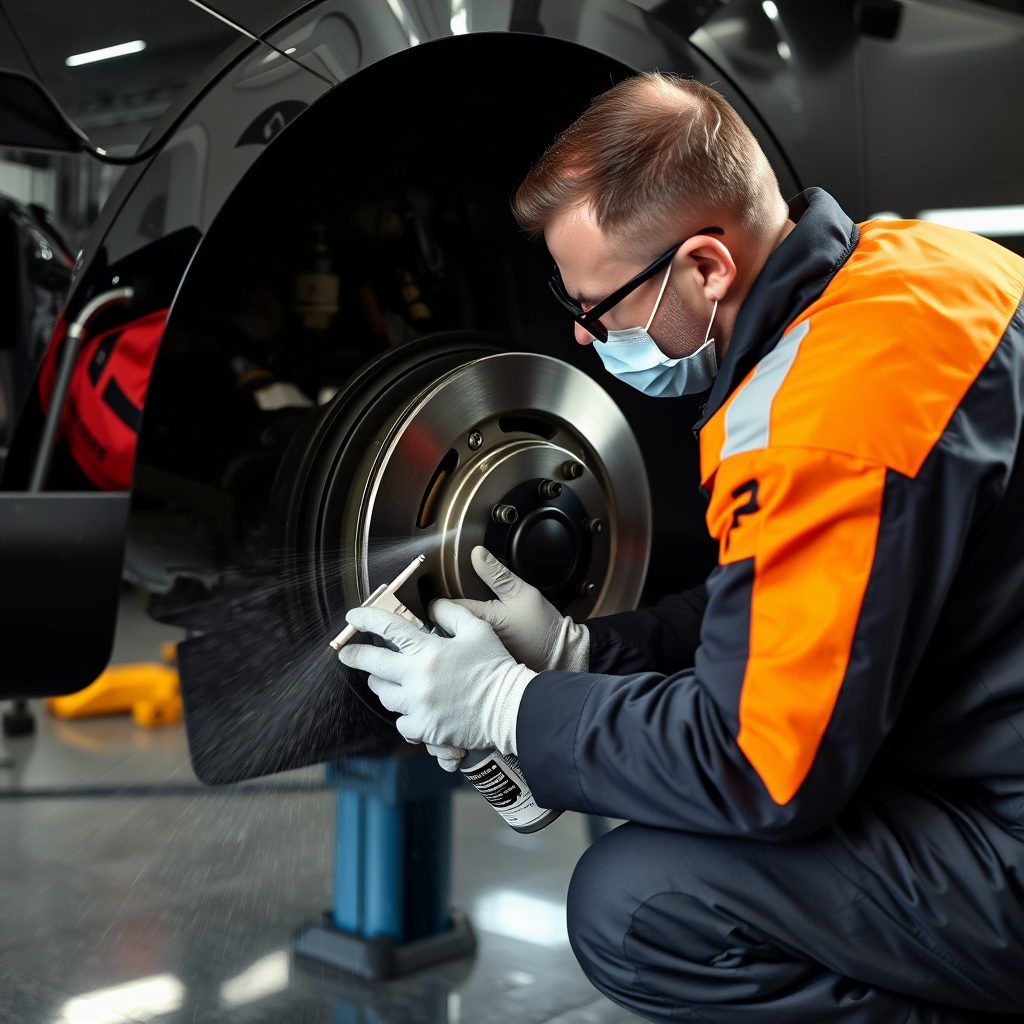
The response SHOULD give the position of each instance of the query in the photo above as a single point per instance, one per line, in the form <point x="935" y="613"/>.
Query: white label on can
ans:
<point x="501" y="783"/>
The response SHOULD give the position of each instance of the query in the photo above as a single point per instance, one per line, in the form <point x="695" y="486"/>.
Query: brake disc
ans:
<point x="518" y="452"/>
<point x="447" y="444"/>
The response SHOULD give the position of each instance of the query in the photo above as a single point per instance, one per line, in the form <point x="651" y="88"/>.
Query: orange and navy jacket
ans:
<point x="861" y="452"/>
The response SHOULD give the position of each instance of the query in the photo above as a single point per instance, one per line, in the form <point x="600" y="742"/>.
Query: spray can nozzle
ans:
<point x="384" y="597"/>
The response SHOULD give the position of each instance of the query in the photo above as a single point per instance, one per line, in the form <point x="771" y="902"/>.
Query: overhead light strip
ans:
<point x="91" y="56"/>
<point x="990" y="221"/>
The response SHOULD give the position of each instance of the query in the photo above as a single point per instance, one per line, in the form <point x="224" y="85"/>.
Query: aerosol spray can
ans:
<point x="499" y="780"/>
<point x="498" y="777"/>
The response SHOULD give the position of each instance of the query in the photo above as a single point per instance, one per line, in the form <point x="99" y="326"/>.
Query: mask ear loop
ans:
<point x="664" y="285"/>
<point x="707" y="333"/>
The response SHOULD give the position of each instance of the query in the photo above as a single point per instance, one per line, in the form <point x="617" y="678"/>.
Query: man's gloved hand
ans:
<point x="449" y="758"/>
<point x="460" y="692"/>
<point x="533" y="630"/>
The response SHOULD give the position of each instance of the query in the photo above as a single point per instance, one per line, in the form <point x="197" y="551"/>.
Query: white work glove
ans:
<point x="461" y="692"/>
<point x="449" y="758"/>
<point x="532" y="629"/>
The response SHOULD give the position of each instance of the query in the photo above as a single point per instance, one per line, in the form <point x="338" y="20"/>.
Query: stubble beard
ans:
<point x="677" y="329"/>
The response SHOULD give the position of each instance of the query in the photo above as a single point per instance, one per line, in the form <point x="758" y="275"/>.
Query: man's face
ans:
<point x="591" y="270"/>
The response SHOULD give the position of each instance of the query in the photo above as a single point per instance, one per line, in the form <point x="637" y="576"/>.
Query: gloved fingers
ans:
<point x="390" y="694"/>
<point x="410" y="728"/>
<point x="375" y="660"/>
<point x="402" y="633"/>
<point x="453" y="618"/>
<point x="449" y="758"/>
<point x="502" y="580"/>
<point x="492" y="612"/>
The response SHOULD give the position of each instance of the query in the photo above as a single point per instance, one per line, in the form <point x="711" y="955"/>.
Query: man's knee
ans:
<point x="595" y="915"/>
<point x="618" y="917"/>
<point x="649" y="934"/>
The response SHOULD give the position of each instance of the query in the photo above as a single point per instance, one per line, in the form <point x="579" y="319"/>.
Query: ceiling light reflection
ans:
<point x="268" y="975"/>
<point x="91" y="56"/>
<point x="991" y="221"/>
<point x="521" y="916"/>
<point x="402" y="16"/>
<point x="460" y="18"/>
<point x="454" y="1008"/>
<point x="135" y="1000"/>
<point x="770" y="9"/>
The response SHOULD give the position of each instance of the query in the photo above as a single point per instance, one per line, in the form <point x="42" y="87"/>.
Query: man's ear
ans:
<point x="714" y="264"/>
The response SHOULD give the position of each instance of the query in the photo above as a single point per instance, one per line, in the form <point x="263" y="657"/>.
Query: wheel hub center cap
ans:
<point x="545" y="548"/>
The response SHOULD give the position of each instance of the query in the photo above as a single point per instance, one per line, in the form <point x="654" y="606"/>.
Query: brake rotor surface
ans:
<point x="511" y="431"/>
<point x="435" y="449"/>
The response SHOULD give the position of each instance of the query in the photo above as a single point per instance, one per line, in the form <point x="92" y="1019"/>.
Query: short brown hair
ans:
<point x="655" y="146"/>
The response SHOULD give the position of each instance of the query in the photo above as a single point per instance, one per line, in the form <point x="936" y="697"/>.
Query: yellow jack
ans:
<point x="147" y="689"/>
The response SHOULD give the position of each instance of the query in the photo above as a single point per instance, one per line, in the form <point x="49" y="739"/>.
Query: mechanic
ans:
<point x="819" y="752"/>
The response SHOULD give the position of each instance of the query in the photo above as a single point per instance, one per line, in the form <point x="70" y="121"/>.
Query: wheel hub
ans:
<point x="509" y="431"/>
<point x="546" y="543"/>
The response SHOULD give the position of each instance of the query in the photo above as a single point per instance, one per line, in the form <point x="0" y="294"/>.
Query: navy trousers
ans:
<point x="908" y="910"/>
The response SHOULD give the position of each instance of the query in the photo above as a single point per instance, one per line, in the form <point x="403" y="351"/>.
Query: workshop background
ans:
<point x="328" y="202"/>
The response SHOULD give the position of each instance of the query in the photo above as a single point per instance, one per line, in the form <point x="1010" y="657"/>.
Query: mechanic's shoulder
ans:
<point x="877" y="365"/>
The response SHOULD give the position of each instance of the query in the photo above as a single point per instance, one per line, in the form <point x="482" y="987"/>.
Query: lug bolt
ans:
<point x="594" y="525"/>
<point x="475" y="440"/>
<point x="504" y="515"/>
<point x="572" y="470"/>
<point x="587" y="588"/>
<point x="549" y="488"/>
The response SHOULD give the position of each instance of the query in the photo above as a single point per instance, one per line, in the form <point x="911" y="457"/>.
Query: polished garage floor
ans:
<point x="146" y="897"/>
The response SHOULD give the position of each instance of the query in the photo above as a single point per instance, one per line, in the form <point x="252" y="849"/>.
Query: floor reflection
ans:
<point x="128" y="893"/>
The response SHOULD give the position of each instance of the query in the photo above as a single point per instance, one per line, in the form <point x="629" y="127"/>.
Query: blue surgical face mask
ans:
<point x="633" y="357"/>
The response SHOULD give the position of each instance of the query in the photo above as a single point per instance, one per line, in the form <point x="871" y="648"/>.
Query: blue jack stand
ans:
<point x="392" y="874"/>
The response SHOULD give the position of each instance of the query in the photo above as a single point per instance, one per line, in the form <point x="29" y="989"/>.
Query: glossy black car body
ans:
<point x="378" y="143"/>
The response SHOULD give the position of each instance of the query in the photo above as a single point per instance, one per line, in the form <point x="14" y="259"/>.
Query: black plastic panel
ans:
<point x="60" y="572"/>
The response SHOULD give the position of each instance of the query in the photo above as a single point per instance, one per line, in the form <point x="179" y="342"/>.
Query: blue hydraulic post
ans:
<point x="392" y="874"/>
<point x="347" y="910"/>
<point x="383" y="862"/>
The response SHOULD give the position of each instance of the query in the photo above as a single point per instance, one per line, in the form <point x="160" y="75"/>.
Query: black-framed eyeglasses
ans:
<point x="590" y="319"/>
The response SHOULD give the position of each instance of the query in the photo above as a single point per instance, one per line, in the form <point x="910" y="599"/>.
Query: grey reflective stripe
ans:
<point x="748" y="418"/>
